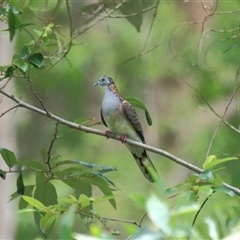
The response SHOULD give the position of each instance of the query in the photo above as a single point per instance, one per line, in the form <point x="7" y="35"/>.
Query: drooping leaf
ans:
<point x="20" y="184"/>
<point x="136" y="103"/>
<point x="3" y="174"/>
<point x="8" y="156"/>
<point x="131" y="7"/>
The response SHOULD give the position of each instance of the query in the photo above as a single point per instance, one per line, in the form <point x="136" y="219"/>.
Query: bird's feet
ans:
<point x="107" y="134"/>
<point x="123" y="138"/>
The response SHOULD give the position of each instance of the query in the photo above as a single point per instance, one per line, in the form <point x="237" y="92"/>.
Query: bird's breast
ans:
<point x="115" y="118"/>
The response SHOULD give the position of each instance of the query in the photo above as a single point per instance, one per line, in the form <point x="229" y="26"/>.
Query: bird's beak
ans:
<point x="95" y="84"/>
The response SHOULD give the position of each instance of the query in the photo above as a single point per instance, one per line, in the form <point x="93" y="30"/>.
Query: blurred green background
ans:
<point x="156" y="65"/>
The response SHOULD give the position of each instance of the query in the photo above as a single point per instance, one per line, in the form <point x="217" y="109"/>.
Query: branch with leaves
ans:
<point x="83" y="128"/>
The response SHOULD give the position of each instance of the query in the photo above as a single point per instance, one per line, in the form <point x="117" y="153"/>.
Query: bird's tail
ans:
<point x="143" y="161"/>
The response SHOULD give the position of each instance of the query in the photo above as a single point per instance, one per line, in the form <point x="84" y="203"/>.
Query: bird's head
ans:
<point x="104" y="81"/>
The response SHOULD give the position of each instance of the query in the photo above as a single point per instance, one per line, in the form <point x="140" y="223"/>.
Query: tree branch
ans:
<point x="113" y="136"/>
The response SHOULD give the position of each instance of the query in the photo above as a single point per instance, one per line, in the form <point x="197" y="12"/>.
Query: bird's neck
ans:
<point x="112" y="89"/>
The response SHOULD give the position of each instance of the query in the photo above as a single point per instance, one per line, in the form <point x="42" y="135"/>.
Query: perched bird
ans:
<point x="121" y="118"/>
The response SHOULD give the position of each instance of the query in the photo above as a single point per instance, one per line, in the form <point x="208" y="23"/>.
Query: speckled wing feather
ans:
<point x="131" y="115"/>
<point x="139" y="154"/>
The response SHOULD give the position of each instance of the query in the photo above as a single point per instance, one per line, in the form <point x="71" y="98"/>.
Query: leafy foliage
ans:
<point x="51" y="39"/>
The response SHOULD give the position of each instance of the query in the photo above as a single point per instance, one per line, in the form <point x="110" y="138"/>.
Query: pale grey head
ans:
<point x="104" y="81"/>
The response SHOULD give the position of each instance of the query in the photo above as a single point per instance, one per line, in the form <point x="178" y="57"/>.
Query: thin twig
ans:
<point x="151" y="26"/>
<point x="16" y="106"/>
<point x="113" y="136"/>
<point x="36" y="94"/>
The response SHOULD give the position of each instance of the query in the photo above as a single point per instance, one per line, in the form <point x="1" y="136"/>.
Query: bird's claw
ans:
<point x="107" y="134"/>
<point x="123" y="138"/>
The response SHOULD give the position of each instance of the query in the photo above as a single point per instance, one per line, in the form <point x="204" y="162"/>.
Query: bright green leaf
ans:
<point x="8" y="156"/>
<point x="212" y="161"/>
<point x="47" y="221"/>
<point x="34" y="202"/>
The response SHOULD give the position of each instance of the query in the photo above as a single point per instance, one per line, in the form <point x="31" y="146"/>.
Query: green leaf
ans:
<point x="9" y="72"/>
<point x="131" y="7"/>
<point x="25" y="52"/>
<point x="47" y="221"/>
<point x="34" y="202"/>
<point x="103" y="186"/>
<point x="8" y="156"/>
<point x="20" y="184"/>
<point x="212" y="161"/>
<point x="46" y="193"/>
<point x="28" y="192"/>
<point x="37" y="60"/>
<point x="3" y="174"/>
<point x="12" y="23"/>
<point x="92" y="165"/>
<point x="84" y="201"/>
<point x="224" y="190"/>
<point x="206" y="175"/>
<point x="32" y="164"/>
<point x="136" y="103"/>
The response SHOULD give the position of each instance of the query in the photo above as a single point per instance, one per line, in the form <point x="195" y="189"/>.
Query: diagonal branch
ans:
<point x="113" y="136"/>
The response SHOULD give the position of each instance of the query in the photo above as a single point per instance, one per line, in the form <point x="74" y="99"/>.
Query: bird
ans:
<point x="120" y="117"/>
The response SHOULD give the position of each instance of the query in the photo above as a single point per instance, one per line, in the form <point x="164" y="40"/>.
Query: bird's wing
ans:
<point x="131" y="115"/>
<point x="103" y="119"/>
